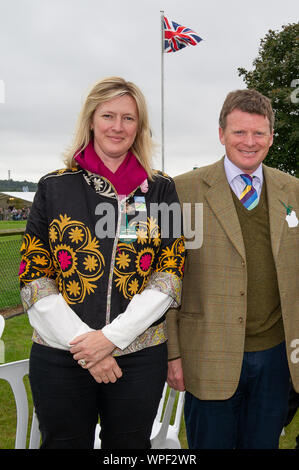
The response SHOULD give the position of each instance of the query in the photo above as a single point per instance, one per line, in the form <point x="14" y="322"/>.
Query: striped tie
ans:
<point x="249" y="196"/>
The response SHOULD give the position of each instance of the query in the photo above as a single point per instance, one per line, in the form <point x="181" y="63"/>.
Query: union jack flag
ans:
<point x="176" y="36"/>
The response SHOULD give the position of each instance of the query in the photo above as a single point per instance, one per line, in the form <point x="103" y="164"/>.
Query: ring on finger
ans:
<point x="82" y="362"/>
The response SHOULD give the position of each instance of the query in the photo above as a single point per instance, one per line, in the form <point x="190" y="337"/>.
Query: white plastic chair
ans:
<point x="2" y="324"/>
<point x="2" y="348"/>
<point x="164" y="435"/>
<point x="13" y="373"/>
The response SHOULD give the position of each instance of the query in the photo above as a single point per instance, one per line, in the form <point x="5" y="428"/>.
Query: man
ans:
<point x="230" y="345"/>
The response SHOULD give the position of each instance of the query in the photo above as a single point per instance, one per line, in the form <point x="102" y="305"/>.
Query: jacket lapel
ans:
<point x="277" y="197"/>
<point x="221" y="202"/>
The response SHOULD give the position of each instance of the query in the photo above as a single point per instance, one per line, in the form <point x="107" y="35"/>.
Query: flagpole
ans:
<point x="162" y="87"/>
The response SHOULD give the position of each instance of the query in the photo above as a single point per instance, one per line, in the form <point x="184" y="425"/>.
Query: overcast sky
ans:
<point x="53" y="51"/>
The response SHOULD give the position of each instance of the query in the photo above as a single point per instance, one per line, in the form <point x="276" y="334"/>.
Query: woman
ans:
<point x="97" y="277"/>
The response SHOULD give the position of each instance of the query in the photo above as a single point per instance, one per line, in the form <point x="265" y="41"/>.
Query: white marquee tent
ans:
<point x="9" y="198"/>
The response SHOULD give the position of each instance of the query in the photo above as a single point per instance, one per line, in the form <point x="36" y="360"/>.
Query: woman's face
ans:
<point x="115" y="125"/>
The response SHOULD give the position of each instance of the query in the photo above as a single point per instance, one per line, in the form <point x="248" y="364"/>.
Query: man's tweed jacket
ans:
<point x="209" y="329"/>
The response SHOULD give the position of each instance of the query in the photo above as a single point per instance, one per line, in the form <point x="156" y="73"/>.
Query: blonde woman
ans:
<point x="97" y="276"/>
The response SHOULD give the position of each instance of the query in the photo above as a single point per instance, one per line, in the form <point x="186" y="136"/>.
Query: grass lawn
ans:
<point x="9" y="268"/>
<point x="17" y="341"/>
<point x="12" y="224"/>
<point x="17" y="344"/>
<point x="9" y="263"/>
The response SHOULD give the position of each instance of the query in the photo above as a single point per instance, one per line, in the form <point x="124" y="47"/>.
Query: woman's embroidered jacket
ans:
<point x="99" y="249"/>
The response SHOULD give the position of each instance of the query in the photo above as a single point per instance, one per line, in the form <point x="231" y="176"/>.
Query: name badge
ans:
<point x="140" y="205"/>
<point x="127" y="233"/>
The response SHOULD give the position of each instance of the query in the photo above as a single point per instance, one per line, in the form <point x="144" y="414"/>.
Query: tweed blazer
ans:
<point x="208" y="330"/>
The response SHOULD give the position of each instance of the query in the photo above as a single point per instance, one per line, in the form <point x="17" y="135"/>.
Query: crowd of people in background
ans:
<point x="11" y="213"/>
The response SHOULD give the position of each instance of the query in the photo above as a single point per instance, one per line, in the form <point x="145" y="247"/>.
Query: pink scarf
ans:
<point x="129" y="175"/>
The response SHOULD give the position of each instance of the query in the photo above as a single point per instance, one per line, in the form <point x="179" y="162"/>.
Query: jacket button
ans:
<point x="243" y="264"/>
<point x="240" y="320"/>
<point x="242" y="292"/>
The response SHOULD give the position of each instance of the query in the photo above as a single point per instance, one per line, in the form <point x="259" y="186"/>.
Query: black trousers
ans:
<point x="68" y="401"/>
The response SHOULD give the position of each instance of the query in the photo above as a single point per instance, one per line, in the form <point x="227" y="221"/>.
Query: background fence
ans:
<point x="10" y="244"/>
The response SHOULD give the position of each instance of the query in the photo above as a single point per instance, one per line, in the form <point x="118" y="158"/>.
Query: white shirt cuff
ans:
<point x="143" y="310"/>
<point x="55" y="322"/>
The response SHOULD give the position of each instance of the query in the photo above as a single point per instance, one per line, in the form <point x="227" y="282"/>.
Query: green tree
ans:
<point x="11" y="185"/>
<point x="276" y="75"/>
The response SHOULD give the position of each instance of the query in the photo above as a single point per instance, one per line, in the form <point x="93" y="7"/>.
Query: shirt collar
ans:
<point x="232" y="171"/>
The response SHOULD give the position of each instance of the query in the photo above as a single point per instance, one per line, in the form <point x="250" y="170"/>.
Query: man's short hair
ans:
<point x="248" y="101"/>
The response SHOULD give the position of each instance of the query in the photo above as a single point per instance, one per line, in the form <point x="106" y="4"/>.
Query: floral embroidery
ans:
<point x="76" y="235"/>
<point x="123" y="260"/>
<point x="73" y="260"/>
<point x="67" y="260"/>
<point x="172" y="258"/>
<point x="36" y="260"/>
<point x="100" y="184"/>
<point x="133" y="265"/>
<point x="40" y="260"/>
<point x="148" y="232"/>
<point x="22" y="269"/>
<point x="64" y="259"/>
<point x="144" y="261"/>
<point x="136" y="262"/>
<point x="90" y="263"/>
<point x="73" y="288"/>
<point x="52" y="234"/>
<point x="141" y="234"/>
<point x="77" y="259"/>
<point x="133" y="287"/>
<point x="131" y="278"/>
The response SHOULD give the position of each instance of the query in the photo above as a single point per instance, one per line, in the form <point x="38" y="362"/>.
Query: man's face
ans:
<point x="247" y="139"/>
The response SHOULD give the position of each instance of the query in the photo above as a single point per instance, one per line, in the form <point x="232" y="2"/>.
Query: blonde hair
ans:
<point x="101" y="92"/>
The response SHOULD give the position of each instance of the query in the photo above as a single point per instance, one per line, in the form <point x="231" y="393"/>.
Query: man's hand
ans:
<point x="106" y="370"/>
<point x="92" y="347"/>
<point x="175" y="378"/>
